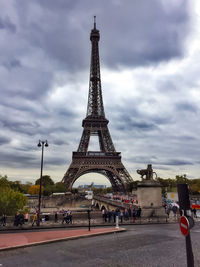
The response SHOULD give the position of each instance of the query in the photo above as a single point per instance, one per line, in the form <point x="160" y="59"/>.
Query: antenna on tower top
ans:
<point x="95" y="22"/>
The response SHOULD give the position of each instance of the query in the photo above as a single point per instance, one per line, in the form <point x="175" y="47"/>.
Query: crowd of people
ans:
<point x="123" y="214"/>
<point x="67" y="217"/>
<point x="175" y="209"/>
<point x="109" y="215"/>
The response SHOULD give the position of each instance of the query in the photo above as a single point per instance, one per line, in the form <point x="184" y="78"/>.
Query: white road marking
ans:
<point x="184" y="226"/>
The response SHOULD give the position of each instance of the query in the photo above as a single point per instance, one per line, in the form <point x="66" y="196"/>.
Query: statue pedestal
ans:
<point x="149" y="198"/>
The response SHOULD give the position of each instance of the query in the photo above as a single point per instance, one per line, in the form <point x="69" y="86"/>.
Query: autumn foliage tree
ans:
<point x="34" y="189"/>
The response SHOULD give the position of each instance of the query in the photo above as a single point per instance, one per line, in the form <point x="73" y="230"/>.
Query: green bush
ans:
<point x="11" y="201"/>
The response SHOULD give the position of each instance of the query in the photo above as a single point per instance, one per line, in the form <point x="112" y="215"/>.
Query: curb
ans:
<point x="63" y="239"/>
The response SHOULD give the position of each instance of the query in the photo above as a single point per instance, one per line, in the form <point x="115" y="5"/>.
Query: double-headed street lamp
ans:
<point x="41" y="144"/>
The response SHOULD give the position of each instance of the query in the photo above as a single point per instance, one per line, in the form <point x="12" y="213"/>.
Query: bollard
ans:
<point x="117" y="222"/>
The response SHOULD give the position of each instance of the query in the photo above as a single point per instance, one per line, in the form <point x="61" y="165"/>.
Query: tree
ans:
<point x="195" y="187"/>
<point x="59" y="187"/>
<point x="46" y="181"/>
<point x="48" y="190"/>
<point x="4" y="181"/>
<point x="11" y="201"/>
<point x="16" y="186"/>
<point x="34" y="189"/>
<point x="181" y="179"/>
<point x="25" y="187"/>
<point x="99" y="190"/>
<point x="132" y="185"/>
<point x="109" y="189"/>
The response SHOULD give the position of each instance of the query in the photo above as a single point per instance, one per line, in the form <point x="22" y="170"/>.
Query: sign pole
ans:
<point x="89" y="220"/>
<point x="184" y="203"/>
<point x="190" y="257"/>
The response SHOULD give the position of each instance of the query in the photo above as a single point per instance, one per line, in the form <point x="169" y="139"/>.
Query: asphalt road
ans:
<point x="141" y="245"/>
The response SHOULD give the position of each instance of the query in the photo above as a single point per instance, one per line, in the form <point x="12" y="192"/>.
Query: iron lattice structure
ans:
<point x="106" y="161"/>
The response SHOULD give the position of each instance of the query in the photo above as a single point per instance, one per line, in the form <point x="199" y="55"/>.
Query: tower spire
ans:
<point x="95" y="100"/>
<point x="94" y="22"/>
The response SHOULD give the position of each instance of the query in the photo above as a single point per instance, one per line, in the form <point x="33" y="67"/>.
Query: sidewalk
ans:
<point x="25" y="239"/>
<point x="84" y="223"/>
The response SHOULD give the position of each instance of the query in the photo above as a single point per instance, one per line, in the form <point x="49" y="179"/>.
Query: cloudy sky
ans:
<point x="150" y="71"/>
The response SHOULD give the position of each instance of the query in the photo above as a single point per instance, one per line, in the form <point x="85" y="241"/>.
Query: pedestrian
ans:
<point x="26" y="217"/>
<point x="35" y="218"/>
<point x="3" y="220"/>
<point x="174" y="209"/>
<point x="109" y="216"/>
<point x="134" y="214"/>
<point x="16" y="219"/>
<point x="167" y="210"/>
<point x="139" y="211"/>
<point x="113" y="216"/>
<point x="129" y="212"/>
<point x="64" y="217"/>
<point x="126" y="215"/>
<point x="121" y="215"/>
<point x="195" y="213"/>
<point x="21" y="218"/>
<point x="103" y="214"/>
<point x="180" y="212"/>
<point x="56" y="217"/>
<point x="117" y="211"/>
<point x="69" y="217"/>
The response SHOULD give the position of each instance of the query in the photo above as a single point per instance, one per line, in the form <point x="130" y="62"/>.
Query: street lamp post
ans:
<point x="41" y="144"/>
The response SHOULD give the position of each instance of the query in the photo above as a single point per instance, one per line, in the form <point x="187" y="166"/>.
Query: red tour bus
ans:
<point x="196" y="206"/>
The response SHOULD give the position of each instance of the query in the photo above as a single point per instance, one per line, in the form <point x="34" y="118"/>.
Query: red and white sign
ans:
<point x="184" y="225"/>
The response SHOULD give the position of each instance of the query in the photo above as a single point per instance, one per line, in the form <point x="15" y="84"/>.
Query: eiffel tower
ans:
<point x="106" y="161"/>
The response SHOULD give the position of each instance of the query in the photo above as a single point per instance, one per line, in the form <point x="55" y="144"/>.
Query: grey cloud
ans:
<point x="131" y="114"/>
<point x="136" y="125"/>
<point x="65" y="112"/>
<point x="186" y="106"/>
<point x="12" y="160"/>
<point x="167" y="85"/>
<point x="133" y="119"/>
<point x="6" y="23"/>
<point x="149" y="34"/>
<point x="189" y="138"/>
<point x="60" y="6"/>
<point x="177" y="162"/>
<point x="13" y="63"/>
<point x="4" y="140"/>
<point x="163" y="168"/>
<point x="21" y="127"/>
<point x="144" y="159"/>
<point x="161" y="120"/>
<point x="26" y="83"/>
<point x="59" y="142"/>
<point x="156" y="161"/>
<point x="56" y="161"/>
<point x="33" y="128"/>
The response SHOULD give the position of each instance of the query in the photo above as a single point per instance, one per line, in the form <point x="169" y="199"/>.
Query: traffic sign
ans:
<point x="184" y="225"/>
